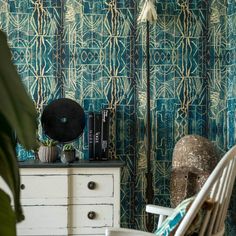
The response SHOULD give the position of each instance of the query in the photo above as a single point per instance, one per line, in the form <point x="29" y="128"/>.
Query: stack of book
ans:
<point x="98" y="135"/>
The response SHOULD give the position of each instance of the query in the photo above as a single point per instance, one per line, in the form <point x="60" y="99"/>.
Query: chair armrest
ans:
<point x="125" y="232"/>
<point x="163" y="212"/>
<point x="159" y="210"/>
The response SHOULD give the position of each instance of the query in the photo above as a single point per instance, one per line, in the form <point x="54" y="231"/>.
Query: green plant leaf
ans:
<point x="15" y="104"/>
<point x="48" y="142"/>
<point x="7" y="216"/>
<point x="68" y="147"/>
<point x="17" y="115"/>
<point x="9" y="166"/>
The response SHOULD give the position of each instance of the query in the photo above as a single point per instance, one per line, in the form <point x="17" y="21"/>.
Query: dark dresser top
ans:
<point x="76" y="164"/>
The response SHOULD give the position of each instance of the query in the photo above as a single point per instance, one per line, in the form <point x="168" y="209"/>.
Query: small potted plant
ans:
<point x="68" y="154"/>
<point x="48" y="151"/>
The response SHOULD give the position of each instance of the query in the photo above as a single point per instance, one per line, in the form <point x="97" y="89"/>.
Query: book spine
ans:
<point x="91" y="136"/>
<point x="97" y="135"/>
<point x="105" y="134"/>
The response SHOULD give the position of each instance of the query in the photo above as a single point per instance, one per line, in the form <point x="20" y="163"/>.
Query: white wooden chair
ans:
<point x="218" y="188"/>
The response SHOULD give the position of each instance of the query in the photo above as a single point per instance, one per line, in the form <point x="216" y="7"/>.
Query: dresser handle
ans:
<point x="91" y="185"/>
<point x="91" y="215"/>
<point x="22" y="186"/>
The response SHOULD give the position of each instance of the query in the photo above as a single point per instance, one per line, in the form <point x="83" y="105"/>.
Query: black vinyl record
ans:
<point x="63" y="120"/>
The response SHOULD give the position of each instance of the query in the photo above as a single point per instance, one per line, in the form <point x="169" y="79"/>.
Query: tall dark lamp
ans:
<point x="148" y="15"/>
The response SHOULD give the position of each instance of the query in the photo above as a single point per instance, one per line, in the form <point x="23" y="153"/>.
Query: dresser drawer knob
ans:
<point x="91" y="185"/>
<point x="91" y="215"/>
<point x="22" y="186"/>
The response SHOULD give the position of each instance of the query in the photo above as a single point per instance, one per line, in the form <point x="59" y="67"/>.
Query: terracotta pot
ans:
<point x="47" y="154"/>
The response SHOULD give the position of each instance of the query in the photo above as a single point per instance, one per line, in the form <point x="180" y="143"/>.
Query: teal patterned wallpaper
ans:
<point x="93" y="51"/>
<point x="178" y="87"/>
<point x="221" y="78"/>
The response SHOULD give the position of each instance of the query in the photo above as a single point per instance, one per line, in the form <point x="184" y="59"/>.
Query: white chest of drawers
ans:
<point x="71" y="200"/>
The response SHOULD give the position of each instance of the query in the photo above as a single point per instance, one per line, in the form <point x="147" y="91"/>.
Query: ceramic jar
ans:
<point x="48" y="153"/>
<point x="68" y="156"/>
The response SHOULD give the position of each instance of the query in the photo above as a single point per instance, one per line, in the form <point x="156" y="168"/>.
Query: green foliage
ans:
<point x="7" y="216"/>
<point x="49" y="142"/>
<point x="17" y="117"/>
<point x="68" y="147"/>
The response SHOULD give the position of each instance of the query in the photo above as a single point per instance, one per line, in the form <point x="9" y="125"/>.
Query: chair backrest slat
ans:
<point x="214" y="215"/>
<point x="222" y="197"/>
<point x="228" y="192"/>
<point x="218" y="187"/>
<point x="214" y="189"/>
<point x="214" y="195"/>
<point x="205" y="223"/>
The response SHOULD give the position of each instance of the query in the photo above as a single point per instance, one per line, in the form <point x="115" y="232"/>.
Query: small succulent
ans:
<point x="68" y="147"/>
<point x="48" y="142"/>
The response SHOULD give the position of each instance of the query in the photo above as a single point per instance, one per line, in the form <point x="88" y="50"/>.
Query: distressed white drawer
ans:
<point x="90" y="219"/>
<point x="44" y="189"/>
<point x="84" y="186"/>
<point x="57" y="201"/>
<point x="44" y="220"/>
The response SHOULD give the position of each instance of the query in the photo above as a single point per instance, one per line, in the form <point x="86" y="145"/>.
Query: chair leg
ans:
<point x="161" y="219"/>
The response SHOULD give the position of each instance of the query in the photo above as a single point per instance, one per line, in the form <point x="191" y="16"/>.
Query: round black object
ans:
<point x="63" y="120"/>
